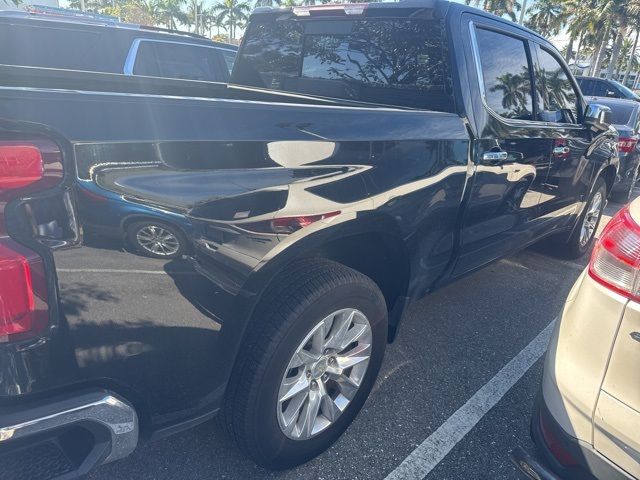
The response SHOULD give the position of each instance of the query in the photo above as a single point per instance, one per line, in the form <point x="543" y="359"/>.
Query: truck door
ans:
<point x="559" y="107"/>
<point x="511" y="151"/>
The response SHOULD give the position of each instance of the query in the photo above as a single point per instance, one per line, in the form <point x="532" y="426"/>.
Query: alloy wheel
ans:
<point x="158" y="240"/>
<point x="324" y="374"/>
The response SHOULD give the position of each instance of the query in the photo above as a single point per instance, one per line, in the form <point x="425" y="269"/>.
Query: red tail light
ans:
<point x="615" y="262"/>
<point x="23" y="292"/>
<point x="26" y="166"/>
<point x="20" y="165"/>
<point x="626" y="145"/>
<point x="554" y="445"/>
<point x="286" y="225"/>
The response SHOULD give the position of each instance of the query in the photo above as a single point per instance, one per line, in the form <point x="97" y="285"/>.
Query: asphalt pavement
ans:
<point x="451" y="345"/>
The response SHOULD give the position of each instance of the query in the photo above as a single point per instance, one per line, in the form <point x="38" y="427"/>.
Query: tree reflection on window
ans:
<point x="386" y="61"/>
<point x="398" y="53"/>
<point x="516" y="94"/>
<point x="505" y="71"/>
<point x="554" y="89"/>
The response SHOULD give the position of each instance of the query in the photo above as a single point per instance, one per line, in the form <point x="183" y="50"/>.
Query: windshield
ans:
<point x="386" y="61"/>
<point x="628" y="93"/>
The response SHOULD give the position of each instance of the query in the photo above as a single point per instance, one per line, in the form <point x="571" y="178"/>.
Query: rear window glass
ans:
<point x="72" y="48"/>
<point x="387" y="61"/>
<point x="175" y="60"/>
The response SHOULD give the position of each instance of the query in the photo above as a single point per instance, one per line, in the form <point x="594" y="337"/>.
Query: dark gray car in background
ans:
<point x="603" y="87"/>
<point x="71" y="40"/>
<point x="625" y="116"/>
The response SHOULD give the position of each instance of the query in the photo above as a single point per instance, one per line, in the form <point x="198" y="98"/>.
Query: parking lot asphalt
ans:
<point x="451" y="344"/>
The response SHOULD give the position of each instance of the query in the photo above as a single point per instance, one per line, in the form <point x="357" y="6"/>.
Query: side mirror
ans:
<point x="597" y="117"/>
<point x="612" y="94"/>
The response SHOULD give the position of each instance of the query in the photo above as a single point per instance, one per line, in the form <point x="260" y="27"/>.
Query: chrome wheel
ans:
<point x="158" y="240"/>
<point x="591" y="218"/>
<point x="324" y="374"/>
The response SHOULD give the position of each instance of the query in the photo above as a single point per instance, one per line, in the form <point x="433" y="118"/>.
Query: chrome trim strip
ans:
<point x="135" y="45"/>
<point x="107" y="409"/>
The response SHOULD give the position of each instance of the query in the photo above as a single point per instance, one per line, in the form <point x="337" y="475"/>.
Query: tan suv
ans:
<point x="586" y="422"/>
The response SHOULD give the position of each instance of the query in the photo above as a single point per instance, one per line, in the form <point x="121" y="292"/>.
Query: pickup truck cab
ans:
<point x="361" y="157"/>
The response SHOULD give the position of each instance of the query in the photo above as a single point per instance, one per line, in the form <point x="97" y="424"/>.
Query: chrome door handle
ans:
<point x="560" y="150"/>
<point x="494" y="157"/>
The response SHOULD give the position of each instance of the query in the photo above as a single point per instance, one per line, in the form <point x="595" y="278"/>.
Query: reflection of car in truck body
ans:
<point x="361" y="159"/>
<point x="158" y="231"/>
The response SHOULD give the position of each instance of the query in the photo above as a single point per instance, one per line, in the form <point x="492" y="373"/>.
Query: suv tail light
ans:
<point x="626" y="144"/>
<point x="23" y="291"/>
<point x="615" y="262"/>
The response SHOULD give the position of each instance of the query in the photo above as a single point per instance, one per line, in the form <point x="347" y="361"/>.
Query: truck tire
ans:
<point x="156" y="239"/>
<point x="311" y="356"/>
<point x="583" y="236"/>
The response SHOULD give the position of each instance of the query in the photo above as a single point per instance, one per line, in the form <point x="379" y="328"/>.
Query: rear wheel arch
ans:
<point x="381" y="257"/>
<point x="608" y="174"/>
<point x="380" y="254"/>
<point x="135" y="218"/>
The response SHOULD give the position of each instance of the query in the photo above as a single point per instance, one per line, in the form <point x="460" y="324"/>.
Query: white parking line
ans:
<point x="431" y="452"/>
<point x="115" y="270"/>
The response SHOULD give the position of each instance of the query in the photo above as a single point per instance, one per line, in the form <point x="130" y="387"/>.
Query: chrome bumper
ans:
<point x="101" y="408"/>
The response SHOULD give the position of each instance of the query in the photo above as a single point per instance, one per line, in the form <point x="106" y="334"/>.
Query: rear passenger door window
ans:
<point x="557" y="97"/>
<point x="176" y="60"/>
<point x="506" y="74"/>
<point x="586" y="86"/>
<point x="599" y="89"/>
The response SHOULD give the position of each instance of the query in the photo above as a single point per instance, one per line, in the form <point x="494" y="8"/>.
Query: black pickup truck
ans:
<point x="361" y="157"/>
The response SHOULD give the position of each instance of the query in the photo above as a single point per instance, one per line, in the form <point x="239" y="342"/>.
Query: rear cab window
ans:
<point x="389" y="61"/>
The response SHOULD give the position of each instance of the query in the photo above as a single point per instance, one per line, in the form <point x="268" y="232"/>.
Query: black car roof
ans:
<point x="76" y="17"/>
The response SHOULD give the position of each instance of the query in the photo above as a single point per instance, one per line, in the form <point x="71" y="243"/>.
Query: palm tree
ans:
<point x="194" y="14"/>
<point x="232" y="14"/>
<point x="268" y="3"/>
<point x="632" y="53"/>
<point x="514" y="89"/>
<point x="546" y="17"/>
<point x="90" y="5"/>
<point x="498" y="7"/>
<point x="601" y="24"/>
<point x="623" y="12"/>
<point x="578" y="18"/>
<point x="171" y="11"/>
<point x="151" y="12"/>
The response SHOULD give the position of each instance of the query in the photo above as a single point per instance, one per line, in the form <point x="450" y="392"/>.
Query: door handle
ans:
<point x="494" y="157"/>
<point x="560" y="150"/>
